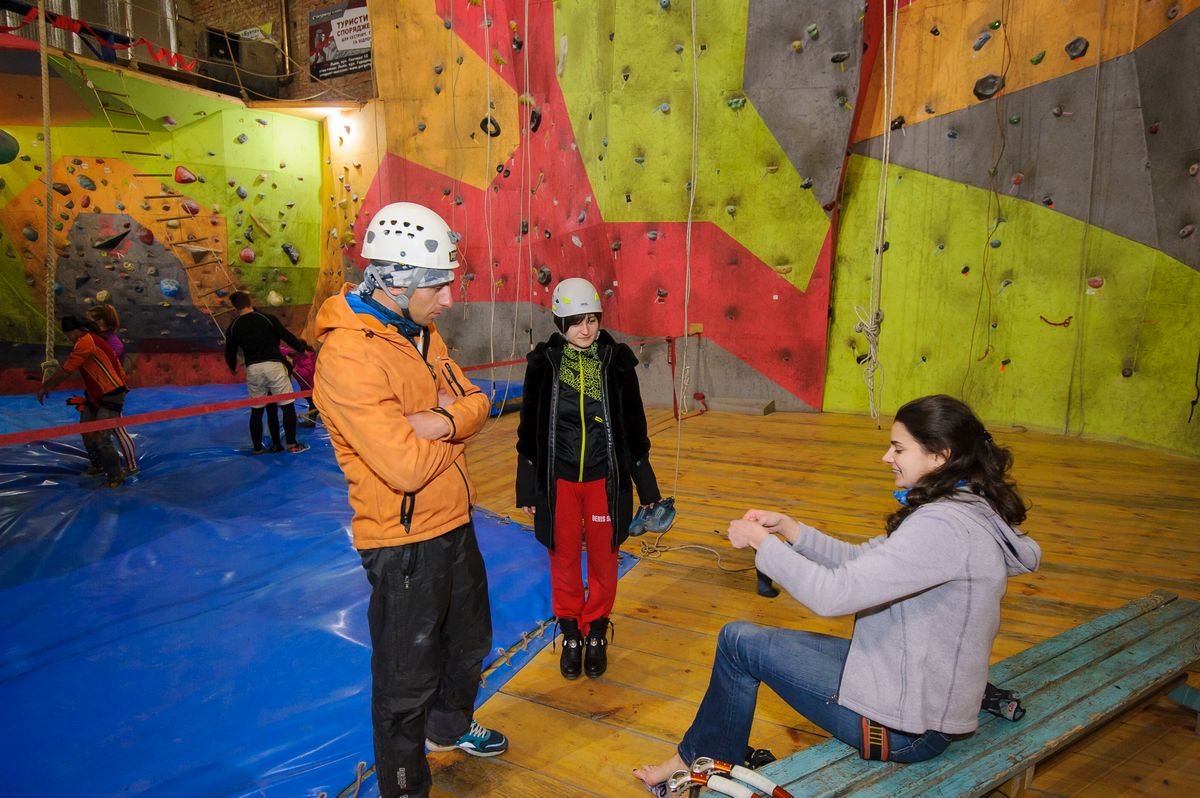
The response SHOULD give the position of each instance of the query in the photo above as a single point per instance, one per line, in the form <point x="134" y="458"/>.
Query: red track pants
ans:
<point x="581" y="512"/>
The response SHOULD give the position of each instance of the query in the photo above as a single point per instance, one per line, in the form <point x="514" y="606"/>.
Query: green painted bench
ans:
<point x="1070" y="685"/>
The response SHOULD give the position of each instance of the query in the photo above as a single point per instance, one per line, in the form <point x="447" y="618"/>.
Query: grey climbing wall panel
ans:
<point x="1043" y="140"/>
<point x="1168" y="70"/>
<point x="804" y="95"/>
<point x="1041" y="155"/>
<point x="470" y="333"/>
<point x="137" y="278"/>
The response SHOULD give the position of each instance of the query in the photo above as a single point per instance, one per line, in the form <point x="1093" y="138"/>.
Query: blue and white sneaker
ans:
<point x="478" y="741"/>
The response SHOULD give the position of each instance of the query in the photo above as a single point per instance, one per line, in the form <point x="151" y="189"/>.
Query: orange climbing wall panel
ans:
<point x="411" y="42"/>
<point x="939" y="71"/>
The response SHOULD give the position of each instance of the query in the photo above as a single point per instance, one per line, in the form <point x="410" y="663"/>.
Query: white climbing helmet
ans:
<point x="575" y="296"/>
<point x="409" y="246"/>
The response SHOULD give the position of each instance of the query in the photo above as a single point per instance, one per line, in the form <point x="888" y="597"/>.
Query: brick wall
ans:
<point x="235" y="16"/>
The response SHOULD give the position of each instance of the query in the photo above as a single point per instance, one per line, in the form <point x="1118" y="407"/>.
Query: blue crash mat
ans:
<point x="202" y="630"/>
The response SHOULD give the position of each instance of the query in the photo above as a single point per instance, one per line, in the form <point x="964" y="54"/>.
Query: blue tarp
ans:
<point x="202" y="630"/>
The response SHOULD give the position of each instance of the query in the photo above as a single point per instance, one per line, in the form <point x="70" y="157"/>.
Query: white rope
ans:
<point x="870" y="321"/>
<point x="1080" y="304"/>
<point x="687" y="280"/>
<point x="49" y="364"/>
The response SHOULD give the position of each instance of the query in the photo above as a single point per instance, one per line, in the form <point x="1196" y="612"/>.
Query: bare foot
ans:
<point x="651" y="775"/>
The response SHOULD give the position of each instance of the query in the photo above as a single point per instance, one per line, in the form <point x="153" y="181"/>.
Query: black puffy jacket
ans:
<point x="625" y="423"/>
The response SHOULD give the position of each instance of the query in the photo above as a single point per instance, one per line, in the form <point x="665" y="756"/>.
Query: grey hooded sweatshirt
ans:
<point x="927" y="608"/>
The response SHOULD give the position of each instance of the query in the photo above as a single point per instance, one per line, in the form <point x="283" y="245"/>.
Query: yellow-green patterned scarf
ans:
<point x="569" y="370"/>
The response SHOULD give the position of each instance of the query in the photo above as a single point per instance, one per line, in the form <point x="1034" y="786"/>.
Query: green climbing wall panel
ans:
<point x="938" y="333"/>
<point x="630" y="102"/>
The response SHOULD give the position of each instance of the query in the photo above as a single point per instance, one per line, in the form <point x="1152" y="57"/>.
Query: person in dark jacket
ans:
<point x="581" y="447"/>
<point x="258" y="335"/>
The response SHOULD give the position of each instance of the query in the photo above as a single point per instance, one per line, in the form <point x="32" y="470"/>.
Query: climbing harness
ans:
<point x="708" y="766"/>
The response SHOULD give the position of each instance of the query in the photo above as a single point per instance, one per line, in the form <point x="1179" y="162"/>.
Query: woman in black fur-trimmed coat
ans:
<point x="581" y="448"/>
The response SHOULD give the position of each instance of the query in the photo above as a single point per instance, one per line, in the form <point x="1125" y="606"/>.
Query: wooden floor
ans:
<point x="1114" y="523"/>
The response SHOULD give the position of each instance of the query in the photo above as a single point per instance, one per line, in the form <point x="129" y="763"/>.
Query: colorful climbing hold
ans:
<point x="29" y="233"/>
<point x="242" y="138"/>
<point x="1037" y="58"/>
<point x="1187" y="230"/>
<point x="169" y="288"/>
<point x="190" y="207"/>
<point x="1077" y="48"/>
<point x="981" y="40"/>
<point x="292" y="253"/>
<point x="987" y="86"/>
<point x="184" y="175"/>
<point x="61" y="188"/>
<point x="242" y="193"/>
<point x="9" y="147"/>
<point x="86" y="183"/>
<point x="1095" y="282"/>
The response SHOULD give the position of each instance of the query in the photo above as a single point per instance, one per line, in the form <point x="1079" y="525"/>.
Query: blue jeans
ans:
<point x="805" y="669"/>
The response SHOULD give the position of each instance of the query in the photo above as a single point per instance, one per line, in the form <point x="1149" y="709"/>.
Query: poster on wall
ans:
<point x="339" y="40"/>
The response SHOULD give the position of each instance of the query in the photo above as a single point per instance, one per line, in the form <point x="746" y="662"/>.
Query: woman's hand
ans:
<point x="529" y="511"/>
<point x="777" y="523"/>
<point x="743" y="533"/>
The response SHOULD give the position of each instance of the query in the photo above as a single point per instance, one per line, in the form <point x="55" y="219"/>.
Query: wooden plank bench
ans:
<point x="1070" y="685"/>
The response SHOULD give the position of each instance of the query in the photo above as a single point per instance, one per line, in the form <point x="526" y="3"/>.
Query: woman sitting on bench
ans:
<point x="926" y="598"/>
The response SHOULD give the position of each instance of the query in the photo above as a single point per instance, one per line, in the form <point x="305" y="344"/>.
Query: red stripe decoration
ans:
<point x="46" y="433"/>
<point x="15" y="438"/>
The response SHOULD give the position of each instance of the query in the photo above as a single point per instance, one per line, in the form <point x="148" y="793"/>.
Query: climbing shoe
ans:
<point x="570" y="663"/>
<point x="478" y="741"/>
<point x="656" y="518"/>
<point x="595" y="661"/>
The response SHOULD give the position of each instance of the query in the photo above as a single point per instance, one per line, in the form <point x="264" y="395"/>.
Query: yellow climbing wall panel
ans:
<point x="998" y="318"/>
<point x="435" y="92"/>
<point x="630" y="100"/>
<point x="939" y="71"/>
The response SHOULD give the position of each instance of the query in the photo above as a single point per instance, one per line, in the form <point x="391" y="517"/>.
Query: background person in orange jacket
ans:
<point x="398" y="411"/>
<point x="104" y="387"/>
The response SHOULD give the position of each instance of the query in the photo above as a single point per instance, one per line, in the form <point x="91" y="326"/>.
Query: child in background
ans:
<point x="303" y="366"/>
<point x="582" y="446"/>
<point x="105" y="317"/>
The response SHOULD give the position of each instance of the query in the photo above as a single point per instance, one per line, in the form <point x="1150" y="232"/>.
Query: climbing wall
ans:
<point x="165" y="201"/>
<point x="557" y="137"/>
<point x="1041" y="257"/>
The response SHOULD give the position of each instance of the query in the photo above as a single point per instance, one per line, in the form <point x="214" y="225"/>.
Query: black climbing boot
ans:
<point x="596" y="660"/>
<point x="571" y="662"/>
<point x="765" y="588"/>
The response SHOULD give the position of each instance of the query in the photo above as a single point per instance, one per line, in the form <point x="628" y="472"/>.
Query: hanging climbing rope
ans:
<point x="685" y="372"/>
<point x="870" y="320"/>
<point x="49" y="364"/>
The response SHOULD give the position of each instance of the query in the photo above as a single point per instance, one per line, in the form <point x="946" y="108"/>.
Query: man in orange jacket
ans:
<point x="398" y="411"/>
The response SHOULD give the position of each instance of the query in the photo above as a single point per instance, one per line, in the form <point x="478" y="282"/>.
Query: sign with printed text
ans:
<point x="339" y="40"/>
